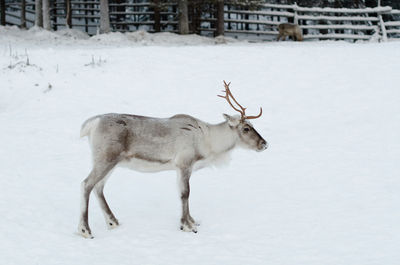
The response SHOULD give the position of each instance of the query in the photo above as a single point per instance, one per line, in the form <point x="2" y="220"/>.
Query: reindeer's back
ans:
<point x="127" y="135"/>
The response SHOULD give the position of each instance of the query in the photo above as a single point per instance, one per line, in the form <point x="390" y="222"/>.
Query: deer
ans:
<point x="291" y="30"/>
<point x="181" y="143"/>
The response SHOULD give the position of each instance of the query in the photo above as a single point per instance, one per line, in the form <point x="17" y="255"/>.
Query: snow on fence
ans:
<point x="316" y="23"/>
<point x="259" y="23"/>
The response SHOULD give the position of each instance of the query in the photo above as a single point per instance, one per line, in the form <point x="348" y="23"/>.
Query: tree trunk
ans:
<point x="23" y="14"/>
<point x="38" y="13"/>
<point x="68" y="17"/>
<point x="157" y="18"/>
<point x="220" y="18"/>
<point x="183" y="17"/>
<point x="104" y="17"/>
<point x="3" y="12"/>
<point x="46" y="14"/>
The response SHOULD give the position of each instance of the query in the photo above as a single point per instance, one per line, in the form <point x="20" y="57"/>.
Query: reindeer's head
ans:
<point x="247" y="135"/>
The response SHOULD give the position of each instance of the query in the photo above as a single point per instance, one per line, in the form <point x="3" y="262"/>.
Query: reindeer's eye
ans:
<point x="246" y="129"/>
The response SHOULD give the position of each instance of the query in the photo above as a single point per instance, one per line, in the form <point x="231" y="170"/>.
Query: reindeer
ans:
<point x="291" y="30"/>
<point x="181" y="143"/>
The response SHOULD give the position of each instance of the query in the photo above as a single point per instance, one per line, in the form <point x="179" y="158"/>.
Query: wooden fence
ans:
<point x="316" y="23"/>
<point x="259" y="23"/>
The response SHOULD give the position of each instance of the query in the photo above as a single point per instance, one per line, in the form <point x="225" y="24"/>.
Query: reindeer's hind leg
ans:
<point x="98" y="173"/>
<point x="111" y="221"/>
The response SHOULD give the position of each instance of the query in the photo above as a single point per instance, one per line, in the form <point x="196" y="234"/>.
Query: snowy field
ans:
<point x="325" y="192"/>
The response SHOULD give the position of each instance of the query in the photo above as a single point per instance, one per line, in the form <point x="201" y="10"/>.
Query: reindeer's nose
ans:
<point x="263" y="145"/>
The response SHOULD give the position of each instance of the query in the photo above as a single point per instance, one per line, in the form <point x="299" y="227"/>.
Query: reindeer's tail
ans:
<point x="88" y="125"/>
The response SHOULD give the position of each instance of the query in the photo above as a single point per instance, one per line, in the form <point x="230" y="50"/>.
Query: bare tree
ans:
<point x="46" y="14"/>
<point x="3" y="12"/>
<point x="157" y="17"/>
<point x="68" y="17"/>
<point x="220" y="18"/>
<point x="104" y="17"/>
<point x="183" y="17"/>
<point x="38" y="13"/>
<point x="23" y="14"/>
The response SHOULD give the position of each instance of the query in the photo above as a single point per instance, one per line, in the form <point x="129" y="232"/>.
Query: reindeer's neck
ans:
<point x="222" y="138"/>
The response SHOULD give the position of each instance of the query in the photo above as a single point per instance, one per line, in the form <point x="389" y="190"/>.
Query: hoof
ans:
<point x="85" y="233"/>
<point x="111" y="224"/>
<point x="186" y="228"/>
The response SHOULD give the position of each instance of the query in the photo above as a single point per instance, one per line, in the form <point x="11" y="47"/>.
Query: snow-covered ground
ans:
<point x="325" y="192"/>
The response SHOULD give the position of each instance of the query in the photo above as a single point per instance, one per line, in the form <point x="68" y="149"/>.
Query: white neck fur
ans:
<point x="222" y="138"/>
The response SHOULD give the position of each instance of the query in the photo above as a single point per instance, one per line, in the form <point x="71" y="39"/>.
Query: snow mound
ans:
<point x="73" y="34"/>
<point x="39" y="36"/>
<point x="144" y="38"/>
<point x="36" y="35"/>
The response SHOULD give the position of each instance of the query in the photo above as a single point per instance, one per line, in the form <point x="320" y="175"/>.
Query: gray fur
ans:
<point x="181" y="143"/>
<point x="290" y="30"/>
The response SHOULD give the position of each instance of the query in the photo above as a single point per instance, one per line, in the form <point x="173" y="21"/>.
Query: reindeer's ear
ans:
<point x="232" y="120"/>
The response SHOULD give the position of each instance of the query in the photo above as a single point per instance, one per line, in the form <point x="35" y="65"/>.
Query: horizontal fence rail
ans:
<point x="259" y="22"/>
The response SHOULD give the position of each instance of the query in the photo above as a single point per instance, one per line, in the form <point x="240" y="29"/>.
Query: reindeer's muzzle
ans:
<point x="262" y="145"/>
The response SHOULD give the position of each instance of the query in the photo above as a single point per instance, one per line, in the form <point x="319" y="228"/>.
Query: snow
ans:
<point x="325" y="192"/>
<point x="338" y="18"/>
<point x="392" y="24"/>
<point x="382" y="9"/>
<point x="37" y="36"/>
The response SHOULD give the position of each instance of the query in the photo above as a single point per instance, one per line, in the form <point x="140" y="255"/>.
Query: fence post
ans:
<point x="295" y="19"/>
<point x="383" y="28"/>
<point x="382" y="23"/>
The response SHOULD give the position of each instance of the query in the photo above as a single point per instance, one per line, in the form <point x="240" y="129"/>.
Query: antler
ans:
<point x="228" y="95"/>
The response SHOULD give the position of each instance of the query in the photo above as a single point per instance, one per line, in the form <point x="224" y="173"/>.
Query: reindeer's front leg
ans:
<point x="187" y="222"/>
